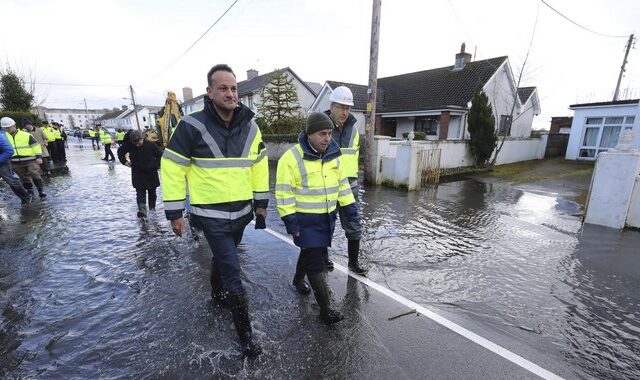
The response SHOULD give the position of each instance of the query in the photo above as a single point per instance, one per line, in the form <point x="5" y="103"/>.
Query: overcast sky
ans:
<point x="108" y="44"/>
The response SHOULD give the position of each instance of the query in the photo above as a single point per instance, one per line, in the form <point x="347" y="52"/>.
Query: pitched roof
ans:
<point x="359" y="91"/>
<point x="435" y="88"/>
<point x="524" y="93"/>
<point x="250" y="86"/>
<point x="111" y="115"/>
<point x="612" y="103"/>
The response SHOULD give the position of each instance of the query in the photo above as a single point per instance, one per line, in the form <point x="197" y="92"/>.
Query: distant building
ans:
<point x="70" y="117"/>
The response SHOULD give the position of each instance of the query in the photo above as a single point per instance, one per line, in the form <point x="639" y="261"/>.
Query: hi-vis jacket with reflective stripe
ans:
<point x="226" y="169"/>
<point x="105" y="137"/>
<point x="120" y="136"/>
<point x="49" y="133"/>
<point x="92" y="133"/>
<point x="25" y="147"/>
<point x="349" y="142"/>
<point x="308" y="187"/>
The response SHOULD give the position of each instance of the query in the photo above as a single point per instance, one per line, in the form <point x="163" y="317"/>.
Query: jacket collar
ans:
<point x="351" y="120"/>
<point x="332" y="152"/>
<point x="241" y="115"/>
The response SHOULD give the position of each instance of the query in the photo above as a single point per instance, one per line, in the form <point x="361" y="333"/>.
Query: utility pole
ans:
<point x="370" y="122"/>
<point x="135" y="111"/>
<point x="86" y="112"/>
<point x="622" y="69"/>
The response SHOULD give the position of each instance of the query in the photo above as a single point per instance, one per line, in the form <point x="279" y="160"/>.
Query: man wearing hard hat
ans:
<point x="27" y="155"/>
<point x="6" y="151"/>
<point x="346" y="135"/>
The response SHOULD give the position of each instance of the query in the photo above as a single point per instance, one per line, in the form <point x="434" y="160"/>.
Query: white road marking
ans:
<point x="489" y="345"/>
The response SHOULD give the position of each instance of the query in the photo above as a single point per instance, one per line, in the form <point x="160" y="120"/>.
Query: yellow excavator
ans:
<point x="168" y="119"/>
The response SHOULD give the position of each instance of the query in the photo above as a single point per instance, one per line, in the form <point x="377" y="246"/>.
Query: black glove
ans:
<point x="261" y="224"/>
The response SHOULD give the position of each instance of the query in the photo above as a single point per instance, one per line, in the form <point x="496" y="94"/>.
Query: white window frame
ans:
<point x="627" y="123"/>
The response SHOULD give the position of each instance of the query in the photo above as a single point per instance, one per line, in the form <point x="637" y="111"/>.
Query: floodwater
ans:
<point x="87" y="290"/>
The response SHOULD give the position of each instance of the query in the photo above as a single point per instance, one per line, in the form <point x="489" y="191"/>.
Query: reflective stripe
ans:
<point x="22" y="158"/>
<point x="344" y="192"/>
<point x="260" y="195"/>
<point x="169" y="154"/>
<point x="353" y="183"/>
<point x="283" y="187"/>
<point x="343" y="181"/>
<point x="253" y="131"/>
<point x="315" y="205"/>
<point x="303" y="169"/>
<point x="328" y="190"/>
<point x="224" y="163"/>
<point x="352" y="139"/>
<point x="349" y="150"/>
<point x="286" y="201"/>
<point x="262" y="155"/>
<point x="173" y="205"/>
<point x="208" y="213"/>
<point x="206" y="136"/>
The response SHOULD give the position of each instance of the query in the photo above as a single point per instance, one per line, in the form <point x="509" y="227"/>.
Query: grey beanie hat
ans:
<point x="317" y="122"/>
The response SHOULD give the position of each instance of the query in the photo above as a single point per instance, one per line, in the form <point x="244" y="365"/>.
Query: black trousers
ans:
<point x="141" y="197"/>
<point x="108" y="153"/>
<point x="311" y="261"/>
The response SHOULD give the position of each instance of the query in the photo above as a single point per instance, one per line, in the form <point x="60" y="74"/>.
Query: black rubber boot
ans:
<point x="354" y="251"/>
<point x="298" y="279"/>
<point x="321" y="291"/>
<point x="218" y="294"/>
<point x="240" y="312"/>
<point x="328" y="263"/>
<point x="142" y="210"/>
<point x="38" y="183"/>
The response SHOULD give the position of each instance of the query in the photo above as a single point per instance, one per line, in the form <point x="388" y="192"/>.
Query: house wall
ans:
<point x="396" y="161"/>
<point x="500" y="91"/>
<point x="72" y="117"/>
<point x="193" y="107"/>
<point x="580" y="116"/>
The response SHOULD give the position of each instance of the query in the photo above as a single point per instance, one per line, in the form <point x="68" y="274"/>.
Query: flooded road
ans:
<point x="87" y="290"/>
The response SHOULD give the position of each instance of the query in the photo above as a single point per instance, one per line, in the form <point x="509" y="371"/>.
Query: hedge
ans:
<point x="19" y="115"/>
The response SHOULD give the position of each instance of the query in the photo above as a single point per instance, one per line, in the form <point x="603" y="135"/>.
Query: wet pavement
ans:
<point x="87" y="290"/>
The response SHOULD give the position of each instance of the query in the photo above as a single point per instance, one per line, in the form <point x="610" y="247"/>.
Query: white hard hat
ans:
<point x="342" y="95"/>
<point x="7" y="122"/>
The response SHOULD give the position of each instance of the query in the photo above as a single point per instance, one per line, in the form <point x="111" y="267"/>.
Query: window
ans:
<point x="601" y="134"/>
<point x="250" y="101"/>
<point x="144" y="118"/>
<point x="426" y="124"/>
<point x="505" y="125"/>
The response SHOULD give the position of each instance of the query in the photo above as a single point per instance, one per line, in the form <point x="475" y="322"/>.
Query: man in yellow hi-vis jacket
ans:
<point x="310" y="182"/>
<point x="220" y="154"/>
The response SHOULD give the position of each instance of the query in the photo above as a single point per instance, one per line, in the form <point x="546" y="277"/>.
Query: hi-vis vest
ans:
<point x="25" y="147"/>
<point x="105" y="137"/>
<point x="120" y="136"/>
<point x="350" y="148"/>
<point x="310" y="186"/>
<point x="57" y="135"/>
<point x="49" y="134"/>
<point x="92" y="133"/>
<point x="213" y="179"/>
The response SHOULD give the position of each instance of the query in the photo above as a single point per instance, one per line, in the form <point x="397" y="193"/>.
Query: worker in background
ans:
<point x="346" y="135"/>
<point x="27" y="156"/>
<point x="120" y="137"/>
<point x="107" y="140"/>
<point x="6" y="152"/>
<point x="41" y="138"/>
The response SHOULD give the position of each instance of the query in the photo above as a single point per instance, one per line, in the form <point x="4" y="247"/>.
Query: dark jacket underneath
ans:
<point x="145" y="162"/>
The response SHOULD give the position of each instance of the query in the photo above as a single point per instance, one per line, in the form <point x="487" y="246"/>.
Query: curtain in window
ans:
<point x="590" y="137"/>
<point x="610" y="136"/>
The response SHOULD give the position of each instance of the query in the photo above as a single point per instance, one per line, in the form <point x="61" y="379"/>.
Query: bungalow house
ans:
<point x="112" y="119"/>
<point x="436" y="101"/>
<point x="145" y="117"/>
<point x="596" y="127"/>
<point x="249" y="92"/>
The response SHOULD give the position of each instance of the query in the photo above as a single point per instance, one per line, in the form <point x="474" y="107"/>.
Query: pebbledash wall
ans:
<point x="397" y="162"/>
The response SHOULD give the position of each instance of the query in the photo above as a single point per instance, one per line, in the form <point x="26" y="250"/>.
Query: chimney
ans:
<point x="124" y="108"/>
<point x="251" y="73"/>
<point x="462" y="59"/>
<point x="187" y="94"/>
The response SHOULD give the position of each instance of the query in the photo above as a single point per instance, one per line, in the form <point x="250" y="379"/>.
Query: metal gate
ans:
<point x="428" y="167"/>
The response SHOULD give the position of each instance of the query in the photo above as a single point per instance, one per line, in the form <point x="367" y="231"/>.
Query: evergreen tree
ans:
<point x="482" y="125"/>
<point x="13" y="95"/>
<point x="279" y="100"/>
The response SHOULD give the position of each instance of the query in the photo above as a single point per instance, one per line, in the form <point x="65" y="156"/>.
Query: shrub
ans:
<point x="19" y="115"/>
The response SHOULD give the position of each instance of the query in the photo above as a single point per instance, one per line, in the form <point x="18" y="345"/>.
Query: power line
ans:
<point x="79" y="84"/>
<point x="198" y="40"/>
<point x="575" y="23"/>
